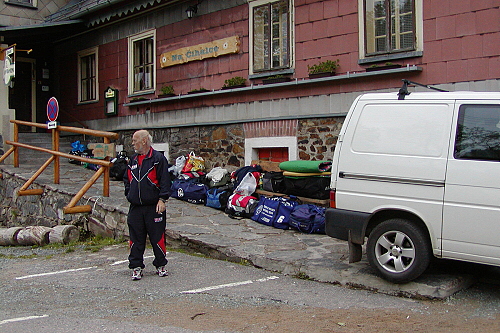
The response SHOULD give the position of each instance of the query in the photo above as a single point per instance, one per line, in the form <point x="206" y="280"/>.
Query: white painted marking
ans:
<point x="234" y="284"/>
<point x="13" y="320"/>
<point x="53" y="273"/>
<point x="118" y="262"/>
<point x="126" y="261"/>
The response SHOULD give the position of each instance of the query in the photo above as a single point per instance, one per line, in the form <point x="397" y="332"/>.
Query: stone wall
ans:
<point x="317" y="138"/>
<point x="107" y="219"/>
<point x="220" y="146"/>
<point x="223" y="146"/>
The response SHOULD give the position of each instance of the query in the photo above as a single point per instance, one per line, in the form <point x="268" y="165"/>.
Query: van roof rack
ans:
<point x="404" y="89"/>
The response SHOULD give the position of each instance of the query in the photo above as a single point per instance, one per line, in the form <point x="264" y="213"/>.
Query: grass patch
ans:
<point x="188" y="252"/>
<point x="245" y="262"/>
<point x="96" y="243"/>
<point x="302" y="276"/>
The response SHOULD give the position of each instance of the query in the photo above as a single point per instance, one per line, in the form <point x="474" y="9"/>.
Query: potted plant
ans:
<point x="235" y="82"/>
<point x="196" y="91"/>
<point x="167" y="91"/>
<point x="276" y="79"/>
<point x="322" y="69"/>
<point x="387" y="65"/>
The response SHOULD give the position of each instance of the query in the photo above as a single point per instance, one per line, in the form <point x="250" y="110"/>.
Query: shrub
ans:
<point x="167" y="90"/>
<point x="328" y="66"/>
<point x="235" y="81"/>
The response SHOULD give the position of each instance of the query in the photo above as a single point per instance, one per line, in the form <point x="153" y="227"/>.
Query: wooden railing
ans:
<point x="71" y="208"/>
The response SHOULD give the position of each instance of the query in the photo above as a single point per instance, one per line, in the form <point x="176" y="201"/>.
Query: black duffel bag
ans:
<point x="308" y="187"/>
<point x="273" y="182"/>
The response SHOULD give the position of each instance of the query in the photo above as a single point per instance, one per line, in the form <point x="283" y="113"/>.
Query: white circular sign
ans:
<point x="9" y="71"/>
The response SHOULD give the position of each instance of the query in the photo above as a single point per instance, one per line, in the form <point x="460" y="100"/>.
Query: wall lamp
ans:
<point x="192" y="10"/>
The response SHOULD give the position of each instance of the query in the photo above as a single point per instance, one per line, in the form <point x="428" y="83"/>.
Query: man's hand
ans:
<point x="161" y="206"/>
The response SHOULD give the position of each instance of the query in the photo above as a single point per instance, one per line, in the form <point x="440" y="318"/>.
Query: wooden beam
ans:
<point x="319" y="202"/>
<point x="58" y="153"/>
<point x="36" y="174"/>
<point x="7" y="153"/>
<point x="77" y="209"/>
<point x="85" y="188"/>
<point x="102" y="134"/>
<point x="55" y="147"/>
<point x="36" y="191"/>
<point x="16" y="150"/>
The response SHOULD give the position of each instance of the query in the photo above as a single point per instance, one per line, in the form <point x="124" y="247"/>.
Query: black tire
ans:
<point x="399" y="250"/>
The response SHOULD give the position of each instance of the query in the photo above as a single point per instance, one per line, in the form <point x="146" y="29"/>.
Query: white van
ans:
<point x="419" y="175"/>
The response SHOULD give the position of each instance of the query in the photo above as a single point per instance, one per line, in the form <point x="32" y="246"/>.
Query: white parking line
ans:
<point x="234" y="284"/>
<point x="124" y="261"/>
<point x="13" y="320"/>
<point x="73" y="270"/>
<point x="53" y="273"/>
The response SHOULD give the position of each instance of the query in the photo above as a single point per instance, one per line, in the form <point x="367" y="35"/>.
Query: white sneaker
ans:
<point x="161" y="271"/>
<point x="137" y="273"/>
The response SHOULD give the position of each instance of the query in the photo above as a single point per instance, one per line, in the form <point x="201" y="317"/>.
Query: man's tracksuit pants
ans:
<point x="145" y="221"/>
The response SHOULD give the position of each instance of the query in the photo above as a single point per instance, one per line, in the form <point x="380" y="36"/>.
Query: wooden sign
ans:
<point x="213" y="49"/>
<point x="102" y="150"/>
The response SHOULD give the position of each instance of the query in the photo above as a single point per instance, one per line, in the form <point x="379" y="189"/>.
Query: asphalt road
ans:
<point x="83" y="291"/>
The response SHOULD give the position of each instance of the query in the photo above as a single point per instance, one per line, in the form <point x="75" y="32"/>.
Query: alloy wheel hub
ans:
<point x="395" y="251"/>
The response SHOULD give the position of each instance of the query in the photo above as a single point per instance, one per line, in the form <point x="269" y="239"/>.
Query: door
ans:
<point x="21" y="96"/>
<point x="471" y="216"/>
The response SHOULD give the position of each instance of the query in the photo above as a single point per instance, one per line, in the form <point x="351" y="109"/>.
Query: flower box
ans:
<point x="322" y="74"/>
<point x="166" y="95"/>
<point x="383" y="67"/>
<point x="272" y="80"/>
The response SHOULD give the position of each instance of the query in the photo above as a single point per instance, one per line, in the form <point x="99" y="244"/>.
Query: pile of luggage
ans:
<point x="236" y="193"/>
<point x="310" y="179"/>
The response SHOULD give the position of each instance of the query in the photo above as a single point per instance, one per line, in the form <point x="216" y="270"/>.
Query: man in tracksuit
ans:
<point x="147" y="187"/>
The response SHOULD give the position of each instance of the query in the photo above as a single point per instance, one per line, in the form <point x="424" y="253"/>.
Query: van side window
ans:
<point x="478" y="133"/>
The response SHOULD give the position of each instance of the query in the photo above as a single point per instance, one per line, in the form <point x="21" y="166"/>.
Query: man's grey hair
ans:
<point x="145" y="134"/>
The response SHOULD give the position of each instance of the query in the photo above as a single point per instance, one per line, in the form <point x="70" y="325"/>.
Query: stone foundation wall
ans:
<point x="220" y="146"/>
<point x="47" y="210"/>
<point x="223" y="146"/>
<point x="316" y="138"/>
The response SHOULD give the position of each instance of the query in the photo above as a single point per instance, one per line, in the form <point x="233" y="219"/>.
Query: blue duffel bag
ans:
<point x="308" y="218"/>
<point x="189" y="191"/>
<point x="217" y="198"/>
<point x="274" y="211"/>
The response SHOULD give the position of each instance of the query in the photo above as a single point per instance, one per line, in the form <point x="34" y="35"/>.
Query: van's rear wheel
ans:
<point x="399" y="250"/>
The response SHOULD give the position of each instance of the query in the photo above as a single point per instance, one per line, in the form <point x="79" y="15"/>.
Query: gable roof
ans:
<point x="40" y="33"/>
<point x="98" y="11"/>
<point x="75" y="17"/>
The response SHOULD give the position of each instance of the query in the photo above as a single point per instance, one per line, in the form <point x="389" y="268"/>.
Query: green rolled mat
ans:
<point x="306" y="166"/>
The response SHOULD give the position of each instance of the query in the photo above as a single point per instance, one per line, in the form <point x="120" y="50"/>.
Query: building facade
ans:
<point x="126" y="65"/>
<point x="21" y="96"/>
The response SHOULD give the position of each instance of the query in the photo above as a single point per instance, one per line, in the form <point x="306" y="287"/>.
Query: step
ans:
<point x="42" y="140"/>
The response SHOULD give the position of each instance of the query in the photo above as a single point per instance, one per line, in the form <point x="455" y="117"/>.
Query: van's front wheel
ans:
<point x="399" y="250"/>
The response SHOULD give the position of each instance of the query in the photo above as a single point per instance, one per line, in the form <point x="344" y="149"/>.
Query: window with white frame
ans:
<point x="87" y="76"/>
<point x="253" y="147"/>
<point x="271" y="35"/>
<point x="142" y="67"/>
<point x="390" y="26"/>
